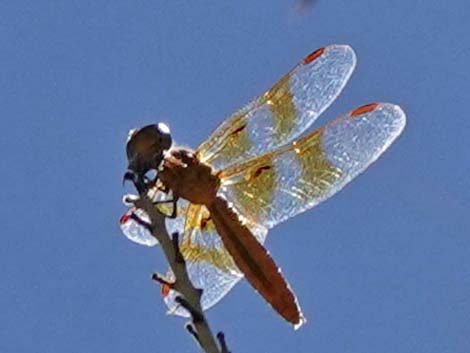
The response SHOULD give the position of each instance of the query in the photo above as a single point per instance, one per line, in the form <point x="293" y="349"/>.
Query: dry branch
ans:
<point x="190" y="299"/>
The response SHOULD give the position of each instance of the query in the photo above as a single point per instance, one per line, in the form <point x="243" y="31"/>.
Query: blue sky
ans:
<point x="381" y="267"/>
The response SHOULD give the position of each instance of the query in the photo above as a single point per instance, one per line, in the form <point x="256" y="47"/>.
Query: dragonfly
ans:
<point x="256" y="170"/>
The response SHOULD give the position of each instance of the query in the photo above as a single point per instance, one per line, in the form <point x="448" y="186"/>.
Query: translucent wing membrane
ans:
<point x="283" y="112"/>
<point x="278" y="185"/>
<point x="133" y="225"/>
<point x="266" y="175"/>
<point x="209" y="265"/>
<point x="272" y="188"/>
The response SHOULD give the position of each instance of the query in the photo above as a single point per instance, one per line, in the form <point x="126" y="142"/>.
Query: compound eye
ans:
<point x="165" y="136"/>
<point x="131" y="134"/>
<point x="163" y="128"/>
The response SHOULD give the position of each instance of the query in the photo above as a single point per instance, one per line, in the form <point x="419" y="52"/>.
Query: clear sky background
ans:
<point x="384" y="266"/>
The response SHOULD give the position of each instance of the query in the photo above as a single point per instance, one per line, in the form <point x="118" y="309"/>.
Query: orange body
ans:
<point x="196" y="182"/>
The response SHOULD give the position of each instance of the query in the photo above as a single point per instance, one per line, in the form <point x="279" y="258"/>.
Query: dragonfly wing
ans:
<point x="133" y="225"/>
<point x="209" y="265"/>
<point x="280" y="184"/>
<point x="135" y="222"/>
<point x="284" y="111"/>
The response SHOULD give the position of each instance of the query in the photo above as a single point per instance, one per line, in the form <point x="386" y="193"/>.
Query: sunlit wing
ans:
<point x="210" y="266"/>
<point x="281" y="184"/>
<point x="283" y="112"/>
<point x="270" y="121"/>
<point x="133" y="225"/>
<point x="278" y="185"/>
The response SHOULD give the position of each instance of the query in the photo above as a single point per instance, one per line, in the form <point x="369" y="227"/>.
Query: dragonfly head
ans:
<point x="145" y="149"/>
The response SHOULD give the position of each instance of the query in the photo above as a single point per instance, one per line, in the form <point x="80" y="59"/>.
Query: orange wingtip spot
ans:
<point x="124" y="218"/>
<point x="309" y="58"/>
<point x="165" y="290"/>
<point x="364" y="109"/>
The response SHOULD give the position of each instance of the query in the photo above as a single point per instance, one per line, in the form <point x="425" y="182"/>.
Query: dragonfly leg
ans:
<point x="141" y="222"/>
<point x="174" y="213"/>
<point x="173" y="201"/>
<point x="138" y="181"/>
<point x="150" y="181"/>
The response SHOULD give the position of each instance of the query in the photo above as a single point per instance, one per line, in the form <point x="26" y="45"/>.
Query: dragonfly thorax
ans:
<point x="188" y="177"/>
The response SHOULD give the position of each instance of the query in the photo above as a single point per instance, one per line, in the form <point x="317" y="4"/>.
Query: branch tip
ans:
<point x="161" y="279"/>
<point x="192" y="330"/>
<point x="222" y="343"/>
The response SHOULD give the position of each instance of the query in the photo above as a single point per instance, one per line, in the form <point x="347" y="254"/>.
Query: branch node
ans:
<point x="163" y="280"/>
<point x="196" y="316"/>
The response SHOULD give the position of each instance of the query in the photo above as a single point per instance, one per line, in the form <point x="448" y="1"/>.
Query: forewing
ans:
<point x="280" y="184"/>
<point x="284" y="111"/>
<point x="209" y="265"/>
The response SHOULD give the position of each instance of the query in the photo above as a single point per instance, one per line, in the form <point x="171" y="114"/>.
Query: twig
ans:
<point x="191" y="296"/>
<point x="222" y="343"/>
